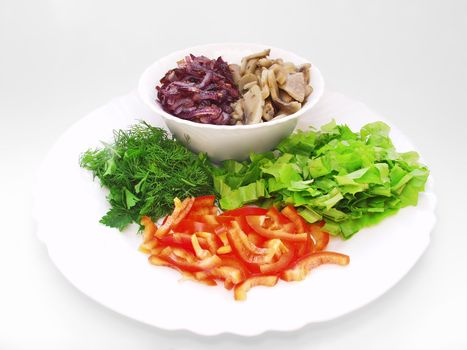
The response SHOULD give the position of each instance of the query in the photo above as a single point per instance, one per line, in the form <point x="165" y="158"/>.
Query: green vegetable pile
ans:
<point x="351" y="180"/>
<point x="145" y="170"/>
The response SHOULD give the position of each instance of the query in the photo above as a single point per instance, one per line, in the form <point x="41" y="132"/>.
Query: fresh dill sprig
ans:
<point x="145" y="169"/>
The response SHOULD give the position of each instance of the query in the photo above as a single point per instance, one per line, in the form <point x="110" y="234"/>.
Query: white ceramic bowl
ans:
<point x="222" y="142"/>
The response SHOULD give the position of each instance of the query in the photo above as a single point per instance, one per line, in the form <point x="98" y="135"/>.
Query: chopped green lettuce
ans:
<point x="348" y="179"/>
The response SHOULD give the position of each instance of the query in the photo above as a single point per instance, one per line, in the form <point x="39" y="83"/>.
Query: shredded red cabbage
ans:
<point x="200" y="90"/>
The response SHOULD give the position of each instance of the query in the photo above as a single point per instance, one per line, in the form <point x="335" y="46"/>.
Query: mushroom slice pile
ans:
<point x="269" y="88"/>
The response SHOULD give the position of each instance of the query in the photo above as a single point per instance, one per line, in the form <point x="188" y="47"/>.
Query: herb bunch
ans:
<point x="144" y="170"/>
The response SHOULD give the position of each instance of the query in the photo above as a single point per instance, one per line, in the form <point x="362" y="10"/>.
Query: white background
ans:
<point x="60" y="60"/>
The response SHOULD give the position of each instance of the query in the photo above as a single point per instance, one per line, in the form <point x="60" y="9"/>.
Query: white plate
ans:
<point x="105" y="264"/>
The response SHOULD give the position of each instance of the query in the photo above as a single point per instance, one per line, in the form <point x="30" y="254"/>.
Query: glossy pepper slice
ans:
<point x="149" y="241"/>
<point x="180" y="212"/>
<point x="241" y="289"/>
<point x="291" y="214"/>
<point x="186" y="261"/>
<point x="190" y="226"/>
<point x="204" y="201"/>
<point x="245" y="211"/>
<point x="304" y="265"/>
<point x="255" y="222"/>
<point x="320" y="237"/>
<point x="247" y="251"/>
<point x="281" y="264"/>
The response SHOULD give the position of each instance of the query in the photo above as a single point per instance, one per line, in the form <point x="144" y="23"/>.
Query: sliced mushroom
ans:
<point x="235" y="69"/>
<point x="269" y="87"/>
<point x="289" y="67"/>
<point x="245" y="59"/>
<point x="237" y="113"/>
<point x="305" y="69"/>
<point x="253" y="105"/>
<point x="249" y="85"/>
<point x="247" y="78"/>
<point x="279" y="72"/>
<point x="264" y="84"/>
<point x="284" y="96"/>
<point x="265" y="62"/>
<point x="251" y="66"/>
<point x="268" y="111"/>
<point x="257" y="72"/>
<point x="295" y="86"/>
<point x="287" y="108"/>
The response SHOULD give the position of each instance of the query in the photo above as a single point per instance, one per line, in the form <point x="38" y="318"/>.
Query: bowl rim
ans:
<point x="157" y="109"/>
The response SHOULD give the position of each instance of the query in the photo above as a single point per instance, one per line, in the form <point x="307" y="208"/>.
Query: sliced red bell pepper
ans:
<point x="181" y="210"/>
<point x="307" y="247"/>
<point x="255" y="223"/>
<point x="213" y="242"/>
<point x="320" y="237"/>
<point x="228" y="273"/>
<point x="150" y="228"/>
<point x="207" y="219"/>
<point x="190" y="226"/>
<point x="228" y="284"/>
<point x="281" y="264"/>
<point x="203" y="211"/>
<point x="186" y="261"/>
<point x="277" y="217"/>
<point x="187" y="204"/>
<point x="242" y="288"/>
<point x="246" y="250"/>
<point x="305" y="264"/>
<point x="204" y="201"/>
<point x="256" y="239"/>
<point x="290" y="212"/>
<point x="232" y="261"/>
<point x="244" y="211"/>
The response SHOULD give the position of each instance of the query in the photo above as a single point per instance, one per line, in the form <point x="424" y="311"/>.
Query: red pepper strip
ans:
<point x="183" y="240"/>
<point x="206" y="219"/>
<point x="228" y="284"/>
<point x="204" y="211"/>
<point x="178" y="214"/>
<point x="246" y="242"/>
<point x="256" y="239"/>
<point x="255" y="224"/>
<point x="305" y="264"/>
<point x="229" y="260"/>
<point x="281" y="264"/>
<point x="321" y="238"/>
<point x="230" y="273"/>
<point x="307" y="247"/>
<point x="226" y="273"/>
<point x="190" y="226"/>
<point x="290" y="212"/>
<point x="192" y="276"/>
<point x="220" y="229"/>
<point x="278" y="218"/>
<point x="247" y="251"/>
<point x="149" y="228"/>
<point x="154" y="260"/>
<point x="240" y="219"/>
<point x="186" y="207"/>
<point x="244" y="211"/>
<point x="204" y="201"/>
<point x="212" y="240"/>
<point x="241" y="289"/>
<point x="187" y="261"/>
